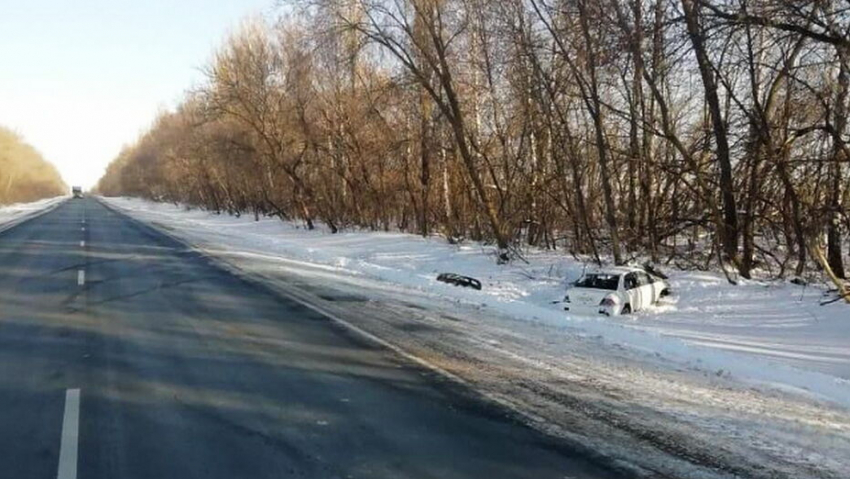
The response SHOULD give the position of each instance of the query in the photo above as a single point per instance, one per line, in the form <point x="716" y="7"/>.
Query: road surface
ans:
<point x="125" y="355"/>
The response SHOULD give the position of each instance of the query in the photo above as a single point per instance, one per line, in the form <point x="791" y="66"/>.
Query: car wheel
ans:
<point x="627" y="309"/>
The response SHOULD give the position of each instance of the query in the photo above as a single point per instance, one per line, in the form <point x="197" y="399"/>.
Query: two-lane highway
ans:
<point x="125" y="355"/>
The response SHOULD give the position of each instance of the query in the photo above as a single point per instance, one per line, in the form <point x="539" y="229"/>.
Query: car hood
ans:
<point x="587" y="296"/>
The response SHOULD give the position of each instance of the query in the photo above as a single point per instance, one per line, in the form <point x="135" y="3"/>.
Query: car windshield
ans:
<point x="599" y="281"/>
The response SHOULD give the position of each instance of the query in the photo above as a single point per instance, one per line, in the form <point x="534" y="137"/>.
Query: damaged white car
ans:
<point x="614" y="291"/>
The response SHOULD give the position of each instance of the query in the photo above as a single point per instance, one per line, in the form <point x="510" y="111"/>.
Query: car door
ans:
<point x="647" y="288"/>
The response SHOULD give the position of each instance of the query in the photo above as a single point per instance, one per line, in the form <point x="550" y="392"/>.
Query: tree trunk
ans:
<point x="594" y="104"/>
<point x="833" y="227"/>
<point x="729" y="235"/>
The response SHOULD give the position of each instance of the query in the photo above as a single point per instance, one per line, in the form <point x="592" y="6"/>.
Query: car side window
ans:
<point x="630" y="281"/>
<point x="644" y="279"/>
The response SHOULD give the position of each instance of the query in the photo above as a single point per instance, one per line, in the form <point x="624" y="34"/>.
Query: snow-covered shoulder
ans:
<point x="781" y="323"/>
<point x="18" y="211"/>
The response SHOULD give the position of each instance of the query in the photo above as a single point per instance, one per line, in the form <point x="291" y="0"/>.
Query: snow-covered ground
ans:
<point x="750" y="380"/>
<point x="12" y="214"/>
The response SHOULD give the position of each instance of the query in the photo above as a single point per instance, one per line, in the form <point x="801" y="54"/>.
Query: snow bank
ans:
<point x="15" y="213"/>
<point x="770" y="333"/>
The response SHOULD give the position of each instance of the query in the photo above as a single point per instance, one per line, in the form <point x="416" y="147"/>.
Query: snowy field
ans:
<point x="780" y="324"/>
<point x="750" y="380"/>
<point x="12" y="214"/>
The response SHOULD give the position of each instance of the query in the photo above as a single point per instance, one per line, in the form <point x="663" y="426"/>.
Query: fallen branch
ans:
<point x="816" y="250"/>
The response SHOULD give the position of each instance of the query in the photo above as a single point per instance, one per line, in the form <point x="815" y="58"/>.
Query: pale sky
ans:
<point x="81" y="78"/>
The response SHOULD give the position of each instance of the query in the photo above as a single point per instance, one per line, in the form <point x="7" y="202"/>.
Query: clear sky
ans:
<point x="81" y="78"/>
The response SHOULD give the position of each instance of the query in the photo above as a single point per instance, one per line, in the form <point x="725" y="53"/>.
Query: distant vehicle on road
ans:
<point x="614" y="291"/>
<point x="77" y="191"/>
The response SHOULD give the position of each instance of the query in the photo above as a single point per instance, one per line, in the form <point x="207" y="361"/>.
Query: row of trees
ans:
<point x="24" y="174"/>
<point x="698" y="131"/>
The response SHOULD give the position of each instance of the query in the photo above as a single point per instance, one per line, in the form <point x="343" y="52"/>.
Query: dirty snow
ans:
<point x="749" y="380"/>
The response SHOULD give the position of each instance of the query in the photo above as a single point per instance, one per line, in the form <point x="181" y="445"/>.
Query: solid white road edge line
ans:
<point x="81" y="277"/>
<point x="68" y="448"/>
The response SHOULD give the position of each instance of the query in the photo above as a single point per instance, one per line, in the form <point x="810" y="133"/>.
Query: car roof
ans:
<point x="614" y="270"/>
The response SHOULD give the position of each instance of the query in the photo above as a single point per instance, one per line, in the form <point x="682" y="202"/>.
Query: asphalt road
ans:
<point x="125" y="355"/>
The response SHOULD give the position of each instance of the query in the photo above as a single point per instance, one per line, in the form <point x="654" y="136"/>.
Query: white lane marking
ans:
<point x="83" y="244"/>
<point x="68" y="448"/>
<point x="81" y="277"/>
<point x="83" y="228"/>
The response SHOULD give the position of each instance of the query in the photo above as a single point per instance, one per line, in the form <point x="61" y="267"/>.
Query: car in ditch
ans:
<point x="614" y="291"/>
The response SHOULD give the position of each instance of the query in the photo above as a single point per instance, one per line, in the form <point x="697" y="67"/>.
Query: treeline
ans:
<point x="696" y="131"/>
<point x="24" y="174"/>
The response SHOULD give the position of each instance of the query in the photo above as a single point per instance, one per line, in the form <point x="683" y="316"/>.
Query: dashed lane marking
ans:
<point x="81" y="277"/>
<point x="68" y="447"/>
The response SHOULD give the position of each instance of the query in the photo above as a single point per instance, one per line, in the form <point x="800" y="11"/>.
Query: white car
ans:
<point x="614" y="291"/>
